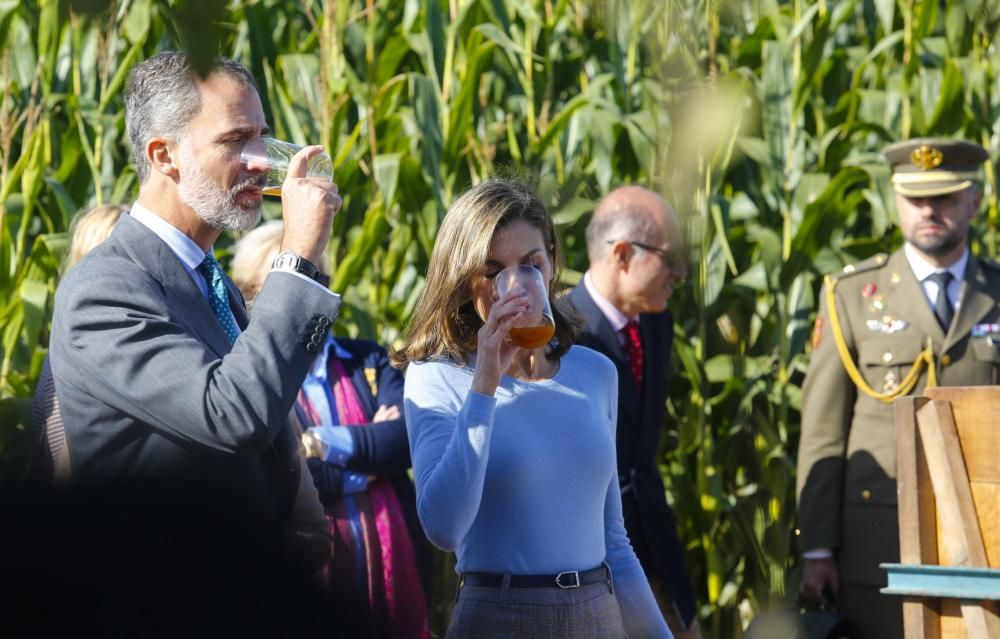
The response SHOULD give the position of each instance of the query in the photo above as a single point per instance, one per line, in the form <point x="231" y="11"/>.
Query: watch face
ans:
<point x="286" y="260"/>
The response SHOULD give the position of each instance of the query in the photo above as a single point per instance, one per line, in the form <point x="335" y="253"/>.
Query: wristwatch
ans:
<point x="292" y="261"/>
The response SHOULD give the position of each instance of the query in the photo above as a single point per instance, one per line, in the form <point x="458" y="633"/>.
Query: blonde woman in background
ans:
<point x="349" y="409"/>
<point x="89" y="229"/>
<point x="50" y="459"/>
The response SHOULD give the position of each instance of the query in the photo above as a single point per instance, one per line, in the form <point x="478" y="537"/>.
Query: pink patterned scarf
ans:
<point x="397" y="589"/>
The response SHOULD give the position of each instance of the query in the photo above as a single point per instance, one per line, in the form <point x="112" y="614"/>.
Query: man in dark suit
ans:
<point x="173" y="403"/>
<point x="632" y="243"/>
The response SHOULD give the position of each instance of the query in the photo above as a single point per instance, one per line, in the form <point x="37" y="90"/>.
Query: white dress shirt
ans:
<point x="186" y="249"/>
<point x="923" y="269"/>
<point x="616" y="318"/>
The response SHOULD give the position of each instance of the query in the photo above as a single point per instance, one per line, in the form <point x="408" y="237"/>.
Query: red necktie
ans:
<point x="633" y="350"/>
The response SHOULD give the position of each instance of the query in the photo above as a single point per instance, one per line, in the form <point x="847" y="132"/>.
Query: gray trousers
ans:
<point x="588" y="612"/>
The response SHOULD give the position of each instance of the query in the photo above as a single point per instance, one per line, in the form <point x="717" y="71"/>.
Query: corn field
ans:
<point x="761" y="122"/>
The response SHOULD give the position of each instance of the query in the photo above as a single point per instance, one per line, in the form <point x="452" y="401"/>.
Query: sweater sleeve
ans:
<point x="449" y="429"/>
<point x="640" y="612"/>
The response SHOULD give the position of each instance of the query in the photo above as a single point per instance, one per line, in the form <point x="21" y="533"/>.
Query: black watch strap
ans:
<point x="292" y="261"/>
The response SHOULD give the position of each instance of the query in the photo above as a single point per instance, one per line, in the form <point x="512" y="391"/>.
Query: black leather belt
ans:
<point x="564" y="580"/>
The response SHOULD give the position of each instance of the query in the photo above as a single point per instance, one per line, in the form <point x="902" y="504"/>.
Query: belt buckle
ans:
<point x="575" y="574"/>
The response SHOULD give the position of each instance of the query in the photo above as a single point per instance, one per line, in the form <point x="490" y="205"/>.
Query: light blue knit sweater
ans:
<point x="525" y="482"/>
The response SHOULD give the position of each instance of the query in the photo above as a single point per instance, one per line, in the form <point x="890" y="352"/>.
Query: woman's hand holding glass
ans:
<point x="536" y="327"/>
<point x="495" y="351"/>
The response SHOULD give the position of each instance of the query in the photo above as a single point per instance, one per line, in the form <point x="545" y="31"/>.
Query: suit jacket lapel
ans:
<point x="909" y="302"/>
<point x="237" y="305"/>
<point x="975" y="303"/>
<point x="157" y="259"/>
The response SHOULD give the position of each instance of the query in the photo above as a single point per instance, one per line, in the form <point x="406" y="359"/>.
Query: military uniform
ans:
<point x="889" y="336"/>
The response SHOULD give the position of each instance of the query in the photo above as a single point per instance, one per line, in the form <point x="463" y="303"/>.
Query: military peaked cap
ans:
<point x="926" y="167"/>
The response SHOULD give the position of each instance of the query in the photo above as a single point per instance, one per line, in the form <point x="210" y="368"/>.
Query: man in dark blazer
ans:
<point x="172" y="401"/>
<point x="632" y="243"/>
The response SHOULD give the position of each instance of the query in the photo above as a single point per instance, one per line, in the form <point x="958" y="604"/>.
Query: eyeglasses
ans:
<point x="661" y="253"/>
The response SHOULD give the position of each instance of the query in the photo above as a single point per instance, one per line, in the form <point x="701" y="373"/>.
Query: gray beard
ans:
<point x="214" y="205"/>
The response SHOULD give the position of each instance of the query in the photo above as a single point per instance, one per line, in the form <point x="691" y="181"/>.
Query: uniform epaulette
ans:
<point x="872" y="263"/>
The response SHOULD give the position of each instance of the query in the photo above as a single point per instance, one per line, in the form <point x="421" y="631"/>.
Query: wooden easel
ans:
<point x="948" y="486"/>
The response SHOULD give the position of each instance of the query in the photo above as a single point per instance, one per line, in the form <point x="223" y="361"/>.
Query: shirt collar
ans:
<point x="616" y="318"/>
<point x="923" y="269"/>
<point x="319" y="367"/>
<point x="186" y="249"/>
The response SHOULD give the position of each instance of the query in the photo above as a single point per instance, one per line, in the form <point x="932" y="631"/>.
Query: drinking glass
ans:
<point x="273" y="156"/>
<point x="536" y="328"/>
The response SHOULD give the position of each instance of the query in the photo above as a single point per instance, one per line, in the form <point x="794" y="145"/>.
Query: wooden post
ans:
<point x="963" y="542"/>
<point x="917" y="517"/>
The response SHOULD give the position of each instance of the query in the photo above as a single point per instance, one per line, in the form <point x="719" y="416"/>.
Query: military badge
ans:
<point x="887" y="325"/>
<point x="869" y="290"/>
<point x="891" y="382"/>
<point x="878" y="304"/>
<point x="986" y="330"/>
<point x="372" y="384"/>
<point x="927" y="157"/>
<point x="817" y="332"/>
<point x="894" y="278"/>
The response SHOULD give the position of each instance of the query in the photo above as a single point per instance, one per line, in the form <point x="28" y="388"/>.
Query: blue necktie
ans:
<point x="210" y="268"/>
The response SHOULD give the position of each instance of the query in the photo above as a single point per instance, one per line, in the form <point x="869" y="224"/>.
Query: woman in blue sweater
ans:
<point x="513" y="448"/>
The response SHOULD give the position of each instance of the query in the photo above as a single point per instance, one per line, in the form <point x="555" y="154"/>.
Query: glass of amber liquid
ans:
<point x="273" y="156"/>
<point x="537" y="326"/>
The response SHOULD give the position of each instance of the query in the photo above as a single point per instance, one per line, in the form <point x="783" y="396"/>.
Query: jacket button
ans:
<point x="866" y="494"/>
<point x="887" y="357"/>
<point x="945" y="360"/>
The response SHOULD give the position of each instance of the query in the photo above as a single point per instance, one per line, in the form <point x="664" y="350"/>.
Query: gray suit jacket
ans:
<point x="153" y="394"/>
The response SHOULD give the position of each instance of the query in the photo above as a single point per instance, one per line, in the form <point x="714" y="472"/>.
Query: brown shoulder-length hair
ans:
<point x="445" y="323"/>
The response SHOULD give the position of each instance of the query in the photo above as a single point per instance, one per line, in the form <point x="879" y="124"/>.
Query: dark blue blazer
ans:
<point x="649" y="520"/>
<point x="381" y="449"/>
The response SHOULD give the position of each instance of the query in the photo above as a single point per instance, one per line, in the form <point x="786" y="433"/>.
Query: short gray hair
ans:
<point x="628" y="223"/>
<point x="162" y="98"/>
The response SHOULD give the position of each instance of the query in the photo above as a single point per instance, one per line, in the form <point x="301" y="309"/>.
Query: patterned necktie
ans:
<point x="942" y="304"/>
<point x="633" y="350"/>
<point x="210" y="268"/>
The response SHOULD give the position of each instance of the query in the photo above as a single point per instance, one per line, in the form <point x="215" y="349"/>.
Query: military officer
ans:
<point x="887" y="327"/>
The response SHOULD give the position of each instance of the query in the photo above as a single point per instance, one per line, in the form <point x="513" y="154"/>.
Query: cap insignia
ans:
<point x="926" y="157"/>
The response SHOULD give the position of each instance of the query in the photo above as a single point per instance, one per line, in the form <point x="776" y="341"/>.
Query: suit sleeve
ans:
<point x="381" y="448"/>
<point x="117" y="339"/>
<point x="828" y="398"/>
